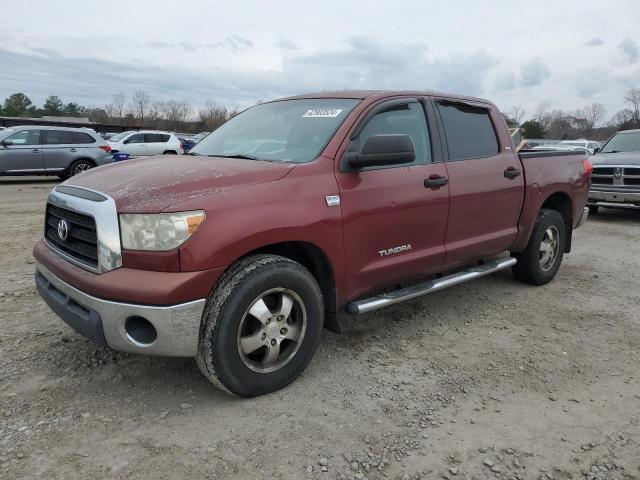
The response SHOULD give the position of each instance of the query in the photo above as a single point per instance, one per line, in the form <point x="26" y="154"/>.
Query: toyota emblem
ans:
<point x="63" y="229"/>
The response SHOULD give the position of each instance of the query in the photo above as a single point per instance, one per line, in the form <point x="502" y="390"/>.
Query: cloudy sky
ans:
<point x="568" y="53"/>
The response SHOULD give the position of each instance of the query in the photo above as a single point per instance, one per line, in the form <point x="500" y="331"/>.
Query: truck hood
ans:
<point x="149" y="185"/>
<point x="627" y="158"/>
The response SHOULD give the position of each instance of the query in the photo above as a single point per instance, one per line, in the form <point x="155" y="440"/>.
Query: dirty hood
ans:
<point x="149" y="185"/>
<point x="623" y="158"/>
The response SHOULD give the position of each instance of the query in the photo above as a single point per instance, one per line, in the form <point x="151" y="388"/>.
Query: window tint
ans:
<point x="82" y="137"/>
<point x="469" y="131"/>
<point x="25" y="137"/>
<point x="156" y="138"/>
<point x="58" y="137"/>
<point x="407" y="119"/>
<point x="137" y="138"/>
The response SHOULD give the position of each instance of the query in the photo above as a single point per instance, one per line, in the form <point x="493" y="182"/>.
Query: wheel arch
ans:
<point x="314" y="259"/>
<point x="561" y="202"/>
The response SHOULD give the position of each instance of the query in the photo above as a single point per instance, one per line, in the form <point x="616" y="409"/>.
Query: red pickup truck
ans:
<point x="294" y="211"/>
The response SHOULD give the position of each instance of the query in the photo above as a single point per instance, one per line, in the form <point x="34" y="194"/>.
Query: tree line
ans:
<point x="138" y="110"/>
<point x="587" y="122"/>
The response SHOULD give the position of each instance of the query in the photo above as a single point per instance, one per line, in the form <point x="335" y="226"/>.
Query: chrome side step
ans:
<point x="430" y="286"/>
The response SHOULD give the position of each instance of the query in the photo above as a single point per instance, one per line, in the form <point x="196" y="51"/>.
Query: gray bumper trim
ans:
<point x="178" y="326"/>
<point x="583" y="217"/>
<point x="596" y="196"/>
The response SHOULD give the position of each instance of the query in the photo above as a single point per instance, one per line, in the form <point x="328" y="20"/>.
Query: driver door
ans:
<point x="393" y="224"/>
<point x="23" y="154"/>
<point x="136" y="144"/>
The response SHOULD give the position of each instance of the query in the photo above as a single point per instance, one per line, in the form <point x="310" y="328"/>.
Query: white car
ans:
<point x="587" y="144"/>
<point x="146" y="142"/>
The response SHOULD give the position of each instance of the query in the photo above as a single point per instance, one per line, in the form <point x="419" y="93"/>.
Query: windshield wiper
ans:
<point x="611" y="151"/>
<point x="237" y="155"/>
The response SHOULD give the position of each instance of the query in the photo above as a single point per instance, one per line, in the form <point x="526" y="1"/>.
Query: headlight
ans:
<point x="158" y="232"/>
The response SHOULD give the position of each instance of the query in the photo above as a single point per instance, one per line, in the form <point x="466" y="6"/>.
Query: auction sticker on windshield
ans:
<point x="323" y="113"/>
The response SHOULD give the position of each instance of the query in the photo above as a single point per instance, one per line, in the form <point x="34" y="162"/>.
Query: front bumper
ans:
<point x="177" y="326"/>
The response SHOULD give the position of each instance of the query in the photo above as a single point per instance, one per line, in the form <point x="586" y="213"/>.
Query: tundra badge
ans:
<point x="394" y="250"/>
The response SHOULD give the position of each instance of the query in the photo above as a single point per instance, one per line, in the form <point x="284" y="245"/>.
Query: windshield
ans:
<point x="119" y="136"/>
<point x="623" y="142"/>
<point x="288" y="131"/>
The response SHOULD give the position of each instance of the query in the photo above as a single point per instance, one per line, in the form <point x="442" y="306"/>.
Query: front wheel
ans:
<point x="261" y="326"/>
<point x="540" y="261"/>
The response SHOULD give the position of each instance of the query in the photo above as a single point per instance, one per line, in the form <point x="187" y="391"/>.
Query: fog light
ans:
<point x="140" y="330"/>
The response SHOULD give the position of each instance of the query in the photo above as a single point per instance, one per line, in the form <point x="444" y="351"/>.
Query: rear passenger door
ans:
<point x="155" y="143"/>
<point x="59" y="149"/>
<point x="23" y="154"/>
<point x="393" y="223"/>
<point x="485" y="182"/>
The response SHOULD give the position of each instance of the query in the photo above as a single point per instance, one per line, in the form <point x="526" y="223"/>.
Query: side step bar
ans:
<point x="430" y="286"/>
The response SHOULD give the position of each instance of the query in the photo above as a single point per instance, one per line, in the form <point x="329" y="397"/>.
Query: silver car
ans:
<point x="61" y="151"/>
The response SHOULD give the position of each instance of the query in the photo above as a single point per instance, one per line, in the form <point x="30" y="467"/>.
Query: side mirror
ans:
<point x="383" y="150"/>
<point x="596" y="150"/>
<point x="6" y="142"/>
<point x="127" y="141"/>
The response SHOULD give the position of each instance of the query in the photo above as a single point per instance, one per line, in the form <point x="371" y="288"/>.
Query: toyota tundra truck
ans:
<point x="294" y="212"/>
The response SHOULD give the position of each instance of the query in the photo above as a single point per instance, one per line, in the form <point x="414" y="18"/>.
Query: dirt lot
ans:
<point x="492" y="379"/>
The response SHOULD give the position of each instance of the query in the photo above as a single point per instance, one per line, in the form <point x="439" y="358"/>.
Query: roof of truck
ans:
<point x="367" y="94"/>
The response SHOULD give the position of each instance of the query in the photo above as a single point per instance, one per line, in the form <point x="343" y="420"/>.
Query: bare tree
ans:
<point x="623" y="120"/>
<point x="588" y="117"/>
<point x="175" y="112"/>
<point x="214" y="115"/>
<point x="632" y="97"/>
<point x="117" y="105"/>
<point x="517" y="114"/>
<point x="140" y="103"/>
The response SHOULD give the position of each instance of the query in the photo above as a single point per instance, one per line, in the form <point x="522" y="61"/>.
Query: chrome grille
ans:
<point x="81" y="243"/>
<point x="618" y="176"/>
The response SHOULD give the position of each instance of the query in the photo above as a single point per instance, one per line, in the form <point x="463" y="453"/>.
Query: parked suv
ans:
<point x="616" y="172"/>
<point x="146" y="143"/>
<point x="61" y="151"/>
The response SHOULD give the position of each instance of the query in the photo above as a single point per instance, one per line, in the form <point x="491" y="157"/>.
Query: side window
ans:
<point x="406" y="119"/>
<point x="82" y="137"/>
<point x="136" y="138"/>
<point x="58" y="137"/>
<point x="469" y="131"/>
<point x="151" y="137"/>
<point x="164" y="138"/>
<point x="25" y="137"/>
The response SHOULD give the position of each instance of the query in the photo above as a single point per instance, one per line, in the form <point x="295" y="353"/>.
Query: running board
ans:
<point x="407" y="293"/>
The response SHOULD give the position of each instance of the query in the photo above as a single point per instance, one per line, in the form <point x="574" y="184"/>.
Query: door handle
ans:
<point x="435" y="181"/>
<point x="512" y="172"/>
<point x="72" y="150"/>
<point x="35" y="150"/>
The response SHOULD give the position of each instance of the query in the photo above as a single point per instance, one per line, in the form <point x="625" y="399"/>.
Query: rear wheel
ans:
<point x="540" y="261"/>
<point x="261" y="326"/>
<point x="79" y="166"/>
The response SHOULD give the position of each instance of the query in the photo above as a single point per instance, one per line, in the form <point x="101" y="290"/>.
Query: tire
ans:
<point x="170" y="152"/>
<point x="534" y="266"/>
<point x="229" y="333"/>
<point x="593" y="209"/>
<point x="77" y="167"/>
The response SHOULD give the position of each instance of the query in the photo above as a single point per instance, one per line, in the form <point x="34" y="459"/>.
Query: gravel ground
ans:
<point x="492" y="379"/>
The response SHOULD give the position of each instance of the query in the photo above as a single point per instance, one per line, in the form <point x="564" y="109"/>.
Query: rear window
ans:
<point x="469" y="131"/>
<point x="58" y="137"/>
<point x="156" y="138"/>
<point x="82" y="137"/>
